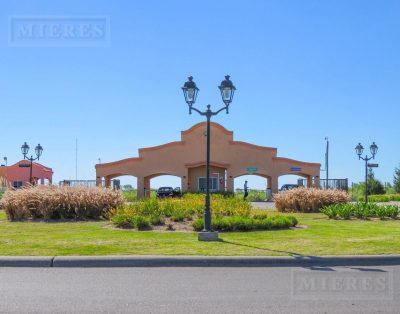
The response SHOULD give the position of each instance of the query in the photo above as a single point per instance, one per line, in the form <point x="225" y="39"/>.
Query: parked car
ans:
<point x="168" y="191"/>
<point x="286" y="187"/>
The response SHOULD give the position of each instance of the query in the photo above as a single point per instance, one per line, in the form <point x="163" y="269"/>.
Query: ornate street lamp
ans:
<point x="38" y="152"/>
<point x="190" y="91"/>
<point x="359" y="150"/>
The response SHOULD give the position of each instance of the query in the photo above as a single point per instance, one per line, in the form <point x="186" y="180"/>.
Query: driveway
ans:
<point x="263" y="205"/>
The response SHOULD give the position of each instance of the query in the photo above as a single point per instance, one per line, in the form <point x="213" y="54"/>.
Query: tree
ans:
<point x="374" y="186"/>
<point x="396" y="180"/>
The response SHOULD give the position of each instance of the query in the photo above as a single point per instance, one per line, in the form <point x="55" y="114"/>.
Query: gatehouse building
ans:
<point x="187" y="159"/>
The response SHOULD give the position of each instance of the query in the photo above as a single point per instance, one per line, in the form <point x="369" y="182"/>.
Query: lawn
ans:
<point x="320" y="237"/>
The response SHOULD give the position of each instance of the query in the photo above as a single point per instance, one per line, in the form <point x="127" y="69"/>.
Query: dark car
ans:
<point x="168" y="191"/>
<point x="287" y="187"/>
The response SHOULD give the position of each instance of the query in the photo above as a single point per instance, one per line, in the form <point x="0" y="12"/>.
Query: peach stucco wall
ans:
<point x="184" y="157"/>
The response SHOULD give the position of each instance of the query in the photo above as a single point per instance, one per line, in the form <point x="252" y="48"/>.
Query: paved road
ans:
<point x="200" y="290"/>
<point x="263" y="205"/>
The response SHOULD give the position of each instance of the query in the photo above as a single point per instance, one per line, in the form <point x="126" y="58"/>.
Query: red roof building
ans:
<point x="17" y="175"/>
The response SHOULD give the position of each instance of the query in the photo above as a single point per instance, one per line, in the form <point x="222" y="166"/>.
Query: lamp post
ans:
<point x="190" y="91"/>
<point x="5" y="164"/>
<point x="359" y="150"/>
<point x="38" y="152"/>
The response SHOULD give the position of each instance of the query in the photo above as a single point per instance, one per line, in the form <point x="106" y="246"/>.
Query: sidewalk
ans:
<point x="197" y="261"/>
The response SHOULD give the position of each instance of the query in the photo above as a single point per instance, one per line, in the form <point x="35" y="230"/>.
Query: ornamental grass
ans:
<point x="308" y="200"/>
<point x="51" y="202"/>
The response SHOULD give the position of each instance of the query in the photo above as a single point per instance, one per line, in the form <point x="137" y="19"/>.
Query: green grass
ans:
<point x="321" y="237"/>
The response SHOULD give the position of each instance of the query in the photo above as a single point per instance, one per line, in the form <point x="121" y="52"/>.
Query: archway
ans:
<point x="152" y="182"/>
<point x="300" y="179"/>
<point x="126" y="182"/>
<point x="161" y="180"/>
<point x="259" y="186"/>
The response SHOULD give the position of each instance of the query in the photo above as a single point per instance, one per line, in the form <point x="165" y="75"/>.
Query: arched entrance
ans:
<point x="157" y="181"/>
<point x="256" y="183"/>
<point x="308" y="181"/>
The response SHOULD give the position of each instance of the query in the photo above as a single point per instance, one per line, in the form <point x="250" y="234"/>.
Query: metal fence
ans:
<point x="115" y="184"/>
<point x="340" y="184"/>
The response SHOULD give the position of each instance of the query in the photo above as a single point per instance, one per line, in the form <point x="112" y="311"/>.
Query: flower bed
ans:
<point x="229" y="214"/>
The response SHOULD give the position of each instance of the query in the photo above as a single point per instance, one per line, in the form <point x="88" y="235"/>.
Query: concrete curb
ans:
<point x="26" y="261"/>
<point x="198" y="261"/>
<point x="222" y="261"/>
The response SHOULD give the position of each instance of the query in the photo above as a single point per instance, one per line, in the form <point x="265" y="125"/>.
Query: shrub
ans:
<point x="141" y="222"/>
<point x="382" y="198"/>
<point x="123" y="220"/>
<point x="198" y="224"/>
<point x="308" y="200"/>
<point x="178" y="216"/>
<point x="392" y="211"/>
<point x="330" y="211"/>
<point x="259" y="214"/>
<point x="345" y="211"/>
<point x="157" y="220"/>
<point x="360" y="210"/>
<point x="50" y="202"/>
<point x="237" y="223"/>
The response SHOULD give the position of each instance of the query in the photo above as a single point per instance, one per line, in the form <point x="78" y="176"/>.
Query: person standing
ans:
<point x="246" y="190"/>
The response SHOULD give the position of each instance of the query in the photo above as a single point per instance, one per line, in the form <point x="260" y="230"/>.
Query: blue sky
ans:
<point x="303" y="70"/>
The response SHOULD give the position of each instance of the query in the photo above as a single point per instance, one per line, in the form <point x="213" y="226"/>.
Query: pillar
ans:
<point x="309" y="182"/>
<point x="274" y="184"/>
<point x="146" y="191"/>
<point x="185" y="181"/>
<point x="107" y="182"/>
<point x="317" y="182"/>
<point x="230" y="183"/>
<point x="98" y="181"/>
<point x="140" y="187"/>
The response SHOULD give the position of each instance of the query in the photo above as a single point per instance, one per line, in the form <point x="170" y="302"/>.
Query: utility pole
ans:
<point x="327" y="162"/>
<point x="76" y="159"/>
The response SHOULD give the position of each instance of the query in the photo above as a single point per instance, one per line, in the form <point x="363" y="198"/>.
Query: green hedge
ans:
<point x="361" y="211"/>
<point x="237" y="223"/>
<point x="383" y="198"/>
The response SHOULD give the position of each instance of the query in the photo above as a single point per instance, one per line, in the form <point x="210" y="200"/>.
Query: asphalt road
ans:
<point x="200" y="290"/>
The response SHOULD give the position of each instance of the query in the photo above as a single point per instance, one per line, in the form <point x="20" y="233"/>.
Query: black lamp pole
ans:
<point x="359" y="150"/>
<point x="38" y="152"/>
<point x="190" y="91"/>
